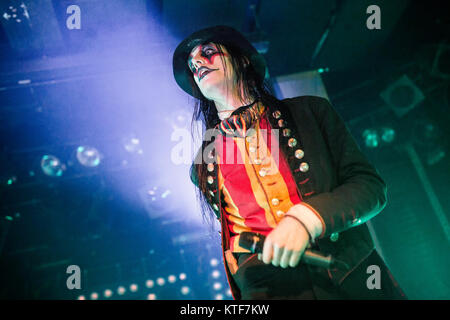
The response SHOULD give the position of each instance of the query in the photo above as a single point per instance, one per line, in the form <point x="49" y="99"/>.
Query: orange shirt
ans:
<point x="255" y="181"/>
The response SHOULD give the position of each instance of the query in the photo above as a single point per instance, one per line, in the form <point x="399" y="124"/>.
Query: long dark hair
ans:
<point x="254" y="87"/>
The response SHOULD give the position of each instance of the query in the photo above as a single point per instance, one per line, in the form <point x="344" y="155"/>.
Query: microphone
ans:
<point x="255" y="242"/>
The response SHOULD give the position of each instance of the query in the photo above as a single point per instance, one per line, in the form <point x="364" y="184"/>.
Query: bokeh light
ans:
<point x="88" y="156"/>
<point x="185" y="290"/>
<point x="121" y="290"/>
<point x="52" y="166"/>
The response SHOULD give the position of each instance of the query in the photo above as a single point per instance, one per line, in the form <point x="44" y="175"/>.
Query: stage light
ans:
<point x="149" y="283"/>
<point x="52" y="166"/>
<point x="217" y="286"/>
<point x="14" y="14"/>
<point x="172" y="278"/>
<point x="11" y="180"/>
<point x="218" y="296"/>
<point x="214" y="262"/>
<point x="429" y="136"/>
<point x="215" y="274"/>
<point x="151" y="296"/>
<point x="158" y="200"/>
<point x="402" y="96"/>
<point x="426" y="132"/>
<point x="81" y="298"/>
<point x="134" y="287"/>
<point x="435" y="155"/>
<point x="185" y="290"/>
<point x="132" y="144"/>
<point x="121" y="290"/>
<point x="179" y="119"/>
<point x="154" y="193"/>
<point x="228" y="293"/>
<point x="371" y="138"/>
<point x="88" y="156"/>
<point x="387" y="134"/>
<point x="108" y="293"/>
<point x="182" y="276"/>
<point x="165" y="194"/>
<point x="94" y="296"/>
<point x="160" y="281"/>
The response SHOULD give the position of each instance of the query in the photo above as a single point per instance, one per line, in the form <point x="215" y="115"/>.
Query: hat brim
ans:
<point x="219" y="34"/>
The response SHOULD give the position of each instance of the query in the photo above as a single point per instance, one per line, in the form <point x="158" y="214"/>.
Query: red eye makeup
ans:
<point x="209" y="52"/>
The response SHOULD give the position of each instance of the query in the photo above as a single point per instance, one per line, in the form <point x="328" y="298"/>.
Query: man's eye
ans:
<point x="209" y="51"/>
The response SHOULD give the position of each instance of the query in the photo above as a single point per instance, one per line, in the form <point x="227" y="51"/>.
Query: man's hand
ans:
<point x="284" y="245"/>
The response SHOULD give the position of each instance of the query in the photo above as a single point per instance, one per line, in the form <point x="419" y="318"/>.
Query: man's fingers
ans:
<point x="277" y="253"/>
<point x="267" y="251"/>
<point x="285" y="258"/>
<point x="295" y="258"/>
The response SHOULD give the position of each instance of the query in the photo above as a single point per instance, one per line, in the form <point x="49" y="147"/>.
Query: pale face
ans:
<point x="205" y="62"/>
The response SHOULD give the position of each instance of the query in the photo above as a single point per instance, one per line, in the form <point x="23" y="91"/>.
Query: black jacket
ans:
<point x="341" y="185"/>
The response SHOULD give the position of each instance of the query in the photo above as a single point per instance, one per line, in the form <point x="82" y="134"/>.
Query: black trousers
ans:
<point x="256" y="280"/>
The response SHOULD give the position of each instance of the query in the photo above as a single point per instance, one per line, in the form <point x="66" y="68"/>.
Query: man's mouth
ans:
<point x="203" y="72"/>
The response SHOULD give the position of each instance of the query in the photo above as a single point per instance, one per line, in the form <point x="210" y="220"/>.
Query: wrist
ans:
<point x="300" y="223"/>
<point x="310" y="220"/>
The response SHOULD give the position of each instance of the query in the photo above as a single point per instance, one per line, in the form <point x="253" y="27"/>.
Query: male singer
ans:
<point x="287" y="169"/>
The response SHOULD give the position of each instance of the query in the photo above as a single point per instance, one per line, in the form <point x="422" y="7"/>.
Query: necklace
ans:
<point x="242" y="119"/>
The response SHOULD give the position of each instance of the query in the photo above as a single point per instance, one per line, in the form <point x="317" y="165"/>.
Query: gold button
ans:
<point x="304" y="167"/>
<point x="215" y="207"/>
<point x="299" y="153"/>
<point x="275" y="201"/>
<point x="292" y="142"/>
<point x="210" y="179"/>
<point x="334" y="237"/>
<point x="286" y="132"/>
<point x="210" y="167"/>
<point x="281" y="123"/>
<point x="276" y="114"/>
<point x="280" y="213"/>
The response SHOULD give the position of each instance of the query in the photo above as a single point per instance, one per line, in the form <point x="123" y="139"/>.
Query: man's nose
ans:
<point x="198" y="61"/>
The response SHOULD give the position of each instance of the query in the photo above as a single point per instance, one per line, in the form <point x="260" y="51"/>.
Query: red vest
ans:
<point x="255" y="181"/>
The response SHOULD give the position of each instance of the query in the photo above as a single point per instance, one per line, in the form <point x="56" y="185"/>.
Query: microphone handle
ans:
<point x="255" y="241"/>
<point x="317" y="259"/>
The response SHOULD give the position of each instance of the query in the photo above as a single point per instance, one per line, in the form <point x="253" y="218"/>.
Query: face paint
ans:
<point x="207" y="51"/>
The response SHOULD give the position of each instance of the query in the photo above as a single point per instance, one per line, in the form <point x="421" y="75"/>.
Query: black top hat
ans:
<point x="219" y="34"/>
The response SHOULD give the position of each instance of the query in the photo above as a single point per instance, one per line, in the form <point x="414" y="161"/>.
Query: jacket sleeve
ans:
<point x="360" y="193"/>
